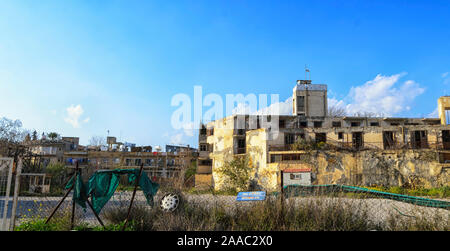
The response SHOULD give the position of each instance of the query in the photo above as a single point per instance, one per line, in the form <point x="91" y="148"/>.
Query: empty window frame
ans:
<point x="446" y="139"/>
<point x="355" y="124"/>
<point x="357" y="140"/>
<point x="203" y="147"/>
<point x="302" y="124"/>
<point x="336" y="124"/>
<point x="388" y="140"/>
<point x="289" y="139"/>
<point x="300" y="103"/>
<point x="321" y="137"/>
<point x="419" y="139"/>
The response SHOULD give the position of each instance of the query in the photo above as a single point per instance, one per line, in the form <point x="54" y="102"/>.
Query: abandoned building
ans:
<point x="160" y="166"/>
<point x="311" y="147"/>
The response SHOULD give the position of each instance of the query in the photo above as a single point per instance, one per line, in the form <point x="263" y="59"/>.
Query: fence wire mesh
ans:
<point x="329" y="207"/>
<point x="38" y="198"/>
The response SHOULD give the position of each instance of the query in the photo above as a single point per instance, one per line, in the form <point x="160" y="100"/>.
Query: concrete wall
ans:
<point x="443" y="104"/>
<point x="367" y="168"/>
<point x="222" y="142"/>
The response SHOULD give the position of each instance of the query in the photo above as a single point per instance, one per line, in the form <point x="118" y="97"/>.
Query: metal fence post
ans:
<point x="16" y="195"/>
<point x="132" y="198"/>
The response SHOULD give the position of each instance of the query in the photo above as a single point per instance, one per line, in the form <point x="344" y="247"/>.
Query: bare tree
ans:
<point x="11" y="130"/>
<point x="97" y="141"/>
<point x="368" y="114"/>
<point x="336" y="111"/>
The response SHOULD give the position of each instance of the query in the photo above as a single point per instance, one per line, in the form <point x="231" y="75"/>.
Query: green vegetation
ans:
<point x="439" y="192"/>
<point x="273" y="214"/>
<point x="236" y="173"/>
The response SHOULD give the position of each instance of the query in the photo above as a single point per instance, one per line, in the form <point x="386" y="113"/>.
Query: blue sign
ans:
<point x="251" y="196"/>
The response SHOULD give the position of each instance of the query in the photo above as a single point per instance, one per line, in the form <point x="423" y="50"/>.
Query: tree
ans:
<point x="53" y="135"/>
<point x="236" y="172"/>
<point x="97" y="141"/>
<point x="34" y="136"/>
<point x="336" y="111"/>
<point x="28" y="138"/>
<point x="11" y="130"/>
<point x="368" y="114"/>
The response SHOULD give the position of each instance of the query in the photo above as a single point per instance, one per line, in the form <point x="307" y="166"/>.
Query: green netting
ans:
<point x="102" y="185"/>
<point x="300" y="190"/>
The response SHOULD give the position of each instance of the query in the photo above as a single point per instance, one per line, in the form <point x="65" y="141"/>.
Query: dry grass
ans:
<point x="313" y="214"/>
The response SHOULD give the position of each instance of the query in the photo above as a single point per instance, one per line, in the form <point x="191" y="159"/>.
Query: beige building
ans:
<point x="362" y="151"/>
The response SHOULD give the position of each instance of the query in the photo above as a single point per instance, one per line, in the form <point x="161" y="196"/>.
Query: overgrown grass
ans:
<point x="439" y="192"/>
<point x="273" y="214"/>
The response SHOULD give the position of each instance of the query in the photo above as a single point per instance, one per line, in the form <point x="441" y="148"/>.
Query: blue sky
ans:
<point x="117" y="64"/>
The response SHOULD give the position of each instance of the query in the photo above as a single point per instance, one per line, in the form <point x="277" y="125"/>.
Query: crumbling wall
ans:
<point x="410" y="168"/>
<point x="222" y="142"/>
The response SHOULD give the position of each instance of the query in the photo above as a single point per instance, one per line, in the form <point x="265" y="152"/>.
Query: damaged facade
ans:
<point x="160" y="166"/>
<point x="361" y="151"/>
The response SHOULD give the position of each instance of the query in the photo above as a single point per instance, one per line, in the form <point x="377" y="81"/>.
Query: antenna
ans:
<point x="307" y="70"/>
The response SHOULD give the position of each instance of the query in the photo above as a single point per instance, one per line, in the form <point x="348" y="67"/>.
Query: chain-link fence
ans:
<point x="6" y="169"/>
<point x="40" y="195"/>
<point x="321" y="208"/>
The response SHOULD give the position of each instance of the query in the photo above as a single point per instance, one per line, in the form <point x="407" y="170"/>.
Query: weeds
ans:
<point x="311" y="213"/>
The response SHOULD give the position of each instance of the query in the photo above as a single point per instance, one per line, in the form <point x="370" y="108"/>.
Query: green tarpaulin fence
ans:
<point x="102" y="185"/>
<point x="299" y="190"/>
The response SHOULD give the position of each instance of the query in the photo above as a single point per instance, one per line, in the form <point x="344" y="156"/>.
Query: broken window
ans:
<point x="388" y="140"/>
<point x="203" y="147"/>
<point x="357" y="140"/>
<point x="206" y="162"/>
<point x="300" y="103"/>
<point x="336" y="124"/>
<point x="289" y="139"/>
<point x="137" y="162"/>
<point x="282" y="124"/>
<point x="446" y="139"/>
<point x="203" y="131"/>
<point x="340" y="135"/>
<point x="374" y="124"/>
<point x="419" y="139"/>
<point x="240" y="146"/>
<point x="275" y="158"/>
<point x="302" y="124"/>
<point x="317" y="124"/>
<point x="148" y="162"/>
<point x="355" y="124"/>
<point x="321" y="137"/>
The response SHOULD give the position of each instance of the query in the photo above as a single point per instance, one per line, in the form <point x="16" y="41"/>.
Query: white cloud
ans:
<point x="383" y="95"/>
<point x="74" y="114"/>
<point x="434" y="114"/>
<point x="446" y="78"/>
<point x="279" y="108"/>
<point x="176" y="139"/>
